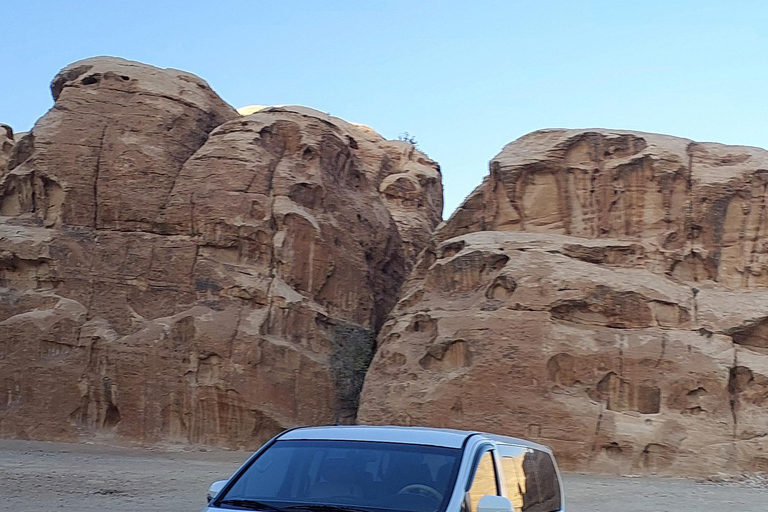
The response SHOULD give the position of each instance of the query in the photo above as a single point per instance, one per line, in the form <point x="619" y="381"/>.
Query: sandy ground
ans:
<point x="37" y="477"/>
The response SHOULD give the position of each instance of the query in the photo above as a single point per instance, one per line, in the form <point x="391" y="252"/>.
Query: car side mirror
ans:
<point x="490" y="503"/>
<point x="215" y="489"/>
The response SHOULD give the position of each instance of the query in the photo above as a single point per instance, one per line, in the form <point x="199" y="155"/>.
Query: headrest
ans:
<point x="336" y="470"/>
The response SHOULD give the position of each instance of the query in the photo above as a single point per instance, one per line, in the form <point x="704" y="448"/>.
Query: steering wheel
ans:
<point x="422" y="490"/>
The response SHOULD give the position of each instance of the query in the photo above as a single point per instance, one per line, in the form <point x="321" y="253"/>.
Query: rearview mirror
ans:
<point x="215" y="489"/>
<point x="494" y="504"/>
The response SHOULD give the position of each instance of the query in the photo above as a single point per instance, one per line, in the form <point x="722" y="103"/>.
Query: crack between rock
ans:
<point x="192" y="214"/>
<point x="272" y="253"/>
<point x="753" y="253"/>
<point x="96" y="179"/>
<point x="689" y="177"/>
<point x="621" y="357"/>
<point x="90" y="299"/>
<point x="734" y="395"/>
<point x="663" y="350"/>
<point x="231" y="342"/>
<point x="223" y="157"/>
<point x="695" y="307"/>
<point x="597" y="433"/>
<point x="140" y="232"/>
<point x="192" y="270"/>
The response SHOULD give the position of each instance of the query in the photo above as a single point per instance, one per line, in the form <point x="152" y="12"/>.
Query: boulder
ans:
<point x="174" y="272"/>
<point x="603" y="292"/>
<point x="113" y="143"/>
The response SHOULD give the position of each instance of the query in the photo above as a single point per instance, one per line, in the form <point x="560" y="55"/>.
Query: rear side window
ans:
<point x="484" y="481"/>
<point x="530" y="479"/>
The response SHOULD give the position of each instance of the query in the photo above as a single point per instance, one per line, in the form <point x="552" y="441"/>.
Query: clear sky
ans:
<point x="464" y="77"/>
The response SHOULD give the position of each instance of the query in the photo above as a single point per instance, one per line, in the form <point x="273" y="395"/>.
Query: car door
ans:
<point x="483" y="480"/>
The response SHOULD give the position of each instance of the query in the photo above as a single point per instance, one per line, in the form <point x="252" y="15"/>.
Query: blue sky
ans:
<point x="463" y="77"/>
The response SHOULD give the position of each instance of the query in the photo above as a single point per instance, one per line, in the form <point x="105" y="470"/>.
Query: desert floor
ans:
<point x="88" y="478"/>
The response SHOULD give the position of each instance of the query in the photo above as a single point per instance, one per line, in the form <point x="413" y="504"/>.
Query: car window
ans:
<point x="484" y="481"/>
<point x="530" y="479"/>
<point x="363" y="475"/>
<point x="515" y="483"/>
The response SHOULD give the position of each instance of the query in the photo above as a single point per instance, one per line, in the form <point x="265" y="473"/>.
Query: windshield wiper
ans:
<point x="311" y="507"/>
<point x="250" y="504"/>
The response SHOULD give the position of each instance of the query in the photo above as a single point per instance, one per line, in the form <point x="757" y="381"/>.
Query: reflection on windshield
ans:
<point x="351" y="474"/>
<point x="530" y="479"/>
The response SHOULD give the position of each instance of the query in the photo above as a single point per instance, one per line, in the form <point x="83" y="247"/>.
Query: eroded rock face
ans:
<point x="118" y="130"/>
<point x="177" y="272"/>
<point x="601" y="292"/>
<point x="698" y="205"/>
<point x="6" y="144"/>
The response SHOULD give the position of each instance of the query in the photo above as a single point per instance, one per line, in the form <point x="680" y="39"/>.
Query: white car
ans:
<point x="393" y="469"/>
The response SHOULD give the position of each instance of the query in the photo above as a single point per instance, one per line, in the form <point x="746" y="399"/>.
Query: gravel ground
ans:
<point x="37" y="477"/>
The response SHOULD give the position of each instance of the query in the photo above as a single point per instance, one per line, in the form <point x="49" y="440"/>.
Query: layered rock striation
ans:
<point x="603" y="292"/>
<point x="174" y="272"/>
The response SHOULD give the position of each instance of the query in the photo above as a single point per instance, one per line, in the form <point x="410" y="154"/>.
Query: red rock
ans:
<point x="178" y="273"/>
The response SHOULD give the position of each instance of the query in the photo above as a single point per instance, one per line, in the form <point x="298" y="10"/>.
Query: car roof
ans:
<point x="407" y="435"/>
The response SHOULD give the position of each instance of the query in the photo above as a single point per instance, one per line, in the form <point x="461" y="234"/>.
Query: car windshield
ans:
<point x="346" y="475"/>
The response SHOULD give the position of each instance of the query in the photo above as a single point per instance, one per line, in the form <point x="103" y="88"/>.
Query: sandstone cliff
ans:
<point x="603" y="292"/>
<point x="172" y="271"/>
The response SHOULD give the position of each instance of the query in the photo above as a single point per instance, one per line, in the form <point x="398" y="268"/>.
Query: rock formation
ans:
<point x="603" y="292"/>
<point x="172" y="271"/>
<point x="6" y="145"/>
